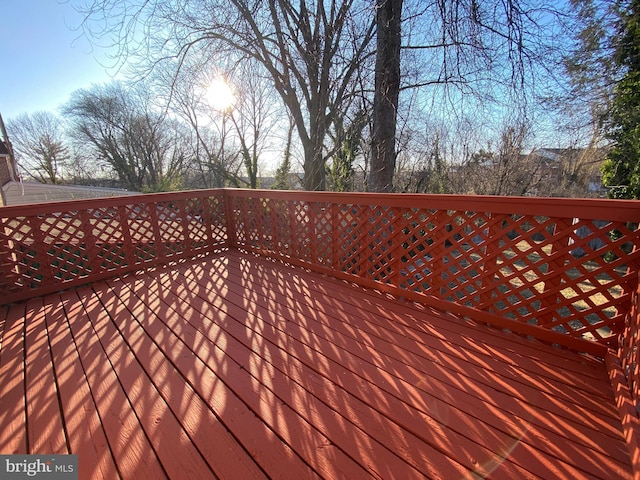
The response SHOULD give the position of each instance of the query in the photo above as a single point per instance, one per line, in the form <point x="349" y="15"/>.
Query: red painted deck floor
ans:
<point x="237" y="367"/>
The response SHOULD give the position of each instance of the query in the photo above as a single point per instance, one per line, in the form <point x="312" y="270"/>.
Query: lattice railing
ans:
<point x="46" y="247"/>
<point x="548" y="265"/>
<point x="629" y="349"/>
<point x="568" y="266"/>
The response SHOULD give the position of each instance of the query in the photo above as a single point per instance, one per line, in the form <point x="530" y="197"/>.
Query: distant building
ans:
<point x="575" y="171"/>
<point x="13" y="191"/>
<point x="7" y="169"/>
<point x="294" y="181"/>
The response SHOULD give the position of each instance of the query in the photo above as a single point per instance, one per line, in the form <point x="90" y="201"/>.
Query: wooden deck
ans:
<point x="237" y="367"/>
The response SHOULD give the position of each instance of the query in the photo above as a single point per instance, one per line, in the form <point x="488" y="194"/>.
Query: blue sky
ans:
<point x="43" y="60"/>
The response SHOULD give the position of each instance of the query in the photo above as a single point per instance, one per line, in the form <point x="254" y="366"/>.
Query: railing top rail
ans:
<point x="72" y="205"/>
<point x="587" y="208"/>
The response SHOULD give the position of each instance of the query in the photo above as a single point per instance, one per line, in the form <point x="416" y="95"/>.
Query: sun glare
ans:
<point x="220" y="95"/>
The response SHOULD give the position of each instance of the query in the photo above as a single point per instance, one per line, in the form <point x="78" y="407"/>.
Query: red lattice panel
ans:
<point x="215" y="218"/>
<point x="195" y="218"/>
<point x="629" y="351"/>
<point x="141" y="231"/>
<point x="249" y="221"/>
<point x="322" y="244"/>
<point x="297" y="230"/>
<point x="109" y="237"/>
<point x="67" y="244"/>
<point x="571" y="274"/>
<point x="566" y="275"/>
<point x="21" y="266"/>
<point x="45" y="247"/>
<point x="564" y="265"/>
<point x="171" y="223"/>
<point x="365" y="241"/>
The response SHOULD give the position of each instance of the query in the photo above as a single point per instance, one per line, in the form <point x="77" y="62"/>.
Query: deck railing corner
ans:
<point x="567" y="268"/>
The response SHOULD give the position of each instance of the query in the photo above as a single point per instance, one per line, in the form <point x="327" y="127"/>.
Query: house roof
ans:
<point x="21" y="193"/>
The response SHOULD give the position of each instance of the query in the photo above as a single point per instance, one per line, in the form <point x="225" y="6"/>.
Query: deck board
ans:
<point x="233" y="366"/>
<point x="446" y="370"/>
<point x="377" y="380"/>
<point x="127" y="438"/>
<point x="171" y="444"/>
<point x="46" y="432"/>
<point x="395" y="339"/>
<point x="242" y="345"/>
<point x="156" y="350"/>
<point x="86" y="436"/>
<point x="13" y="418"/>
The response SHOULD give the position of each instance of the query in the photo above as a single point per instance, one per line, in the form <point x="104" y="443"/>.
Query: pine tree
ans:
<point x="621" y="171"/>
<point x="284" y="169"/>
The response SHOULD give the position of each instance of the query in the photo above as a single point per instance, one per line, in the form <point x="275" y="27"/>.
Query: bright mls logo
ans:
<point x="50" y="467"/>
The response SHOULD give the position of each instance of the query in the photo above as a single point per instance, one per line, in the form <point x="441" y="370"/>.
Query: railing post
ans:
<point x="9" y="264"/>
<point x="437" y="251"/>
<point x="629" y="351"/>
<point x="400" y="250"/>
<point x="634" y="309"/>
<point x="40" y="247"/>
<point x="184" y="225"/>
<point x="91" y="242"/>
<point x="312" y="218"/>
<point x="623" y="366"/>
<point x="129" y="250"/>
<point x="155" y="228"/>
<point x="232" y="240"/>
<point x="335" y="264"/>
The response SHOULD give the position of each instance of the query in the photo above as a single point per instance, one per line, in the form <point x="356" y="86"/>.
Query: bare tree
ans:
<point x="213" y="161"/>
<point x="319" y="56"/>
<point x="124" y="131"/>
<point x="505" y="170"/>
<point x="311" y="52"/>
<point x="254" y="117"/>
<point x="39" y="142"/>
<point x="590" y="65"/>
<point x="283" y="172"/>
<point x="385" y="98"/>
<point x="229" y="140"/>
<point x="433" y="176"/>
<point x="349" y="139"/>
<point x="459" y="53"/>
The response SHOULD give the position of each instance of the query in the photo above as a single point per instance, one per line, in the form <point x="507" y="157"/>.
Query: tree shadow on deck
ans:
<point x="239" y="367"/>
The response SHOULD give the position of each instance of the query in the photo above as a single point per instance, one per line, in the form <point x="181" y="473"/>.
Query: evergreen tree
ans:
<point x="340" y="173"/>
<point x="284" y="169"/>
<point x="621" y="171"/>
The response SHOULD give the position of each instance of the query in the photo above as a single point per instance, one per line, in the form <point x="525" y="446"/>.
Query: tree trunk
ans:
<point x="314" y="174"/>
<point x="314" y="161"/>
<point x="385" y="100"/>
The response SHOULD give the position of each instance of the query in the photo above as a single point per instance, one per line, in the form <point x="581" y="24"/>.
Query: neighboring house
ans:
<point x="13" y="191"/>
<point x="8" y="173"/>
<point x="20" y="193"/>
<point x="574" y="171"/>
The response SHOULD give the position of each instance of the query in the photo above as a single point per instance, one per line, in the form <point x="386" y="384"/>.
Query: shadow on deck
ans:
<point x="235" y="366"/>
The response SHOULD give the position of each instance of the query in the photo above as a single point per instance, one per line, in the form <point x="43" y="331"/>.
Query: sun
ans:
<point x="220" y="95"/>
